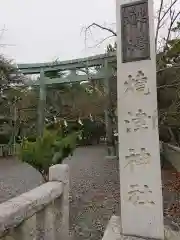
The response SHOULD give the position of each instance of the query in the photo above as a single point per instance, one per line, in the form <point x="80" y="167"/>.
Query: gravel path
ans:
<point x="16" y="178"/>
<point x="94" y="195"/>
<point x="94" y="192"/>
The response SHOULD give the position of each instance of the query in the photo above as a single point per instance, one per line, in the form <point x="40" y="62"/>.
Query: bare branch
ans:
<point x="173" y="19"/>
<point x="2" y="32"/>
<point x="101" y="27"/>
<point x="159" y="21"/>
<point x="96" y="25"/>
<point x="165" y="14"/>
<point x="6" y="45"/>
<point x="103" y="40"/>
<point x="1" y="36"/>
<point x="167" y="11"/>
<point x="167" y="68"/>
<point x="168" y="86"/>
<point x="163" y="22"/>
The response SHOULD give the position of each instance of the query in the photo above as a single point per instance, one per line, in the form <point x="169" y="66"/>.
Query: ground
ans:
<point x="16" y="178"/>
<point x="94" y="191"/>
<point x="94" y="195"/>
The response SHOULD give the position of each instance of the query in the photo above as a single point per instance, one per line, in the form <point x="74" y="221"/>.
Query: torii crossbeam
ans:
<point x="104" y="60"/>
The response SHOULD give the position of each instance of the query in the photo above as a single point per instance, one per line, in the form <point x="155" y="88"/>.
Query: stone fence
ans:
<point x="40" y="214"/>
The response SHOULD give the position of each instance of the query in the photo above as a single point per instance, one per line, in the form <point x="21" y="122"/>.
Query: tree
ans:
<point x="73" y="101"/>
<point x="168" y="49"/>
<point x="166" y="18"/>
<point x="24" y="106"/>
<point x="168" y="73"/>
<point x="167" y="43"/>
<point x="9" y="77"/>
<point x="48" y="150"/>
<point x="9" y="74"/>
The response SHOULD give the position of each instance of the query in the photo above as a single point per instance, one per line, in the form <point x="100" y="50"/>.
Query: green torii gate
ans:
<point x="104" y="60"/>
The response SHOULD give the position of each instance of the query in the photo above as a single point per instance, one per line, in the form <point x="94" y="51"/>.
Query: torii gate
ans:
<point x="104" y="60"/>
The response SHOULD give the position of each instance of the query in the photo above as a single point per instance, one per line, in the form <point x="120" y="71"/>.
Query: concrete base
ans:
<point x="113" y="232"/>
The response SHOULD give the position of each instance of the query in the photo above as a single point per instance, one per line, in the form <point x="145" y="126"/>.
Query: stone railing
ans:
<point x="40" y="214"/>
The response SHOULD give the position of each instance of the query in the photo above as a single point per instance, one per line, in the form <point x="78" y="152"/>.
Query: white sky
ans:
<point x="44" y="30"/>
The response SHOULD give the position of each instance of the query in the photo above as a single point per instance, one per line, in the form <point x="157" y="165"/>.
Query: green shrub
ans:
<point x="48" y="150"/>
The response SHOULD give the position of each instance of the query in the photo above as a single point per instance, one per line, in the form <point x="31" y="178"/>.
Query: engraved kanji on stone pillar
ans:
<point x="140" y="195"/>
<point x="139" y="154"/>
<point x="137" y="121"/>
<point x="137" y="158"/>
<point x="138" y="84"/>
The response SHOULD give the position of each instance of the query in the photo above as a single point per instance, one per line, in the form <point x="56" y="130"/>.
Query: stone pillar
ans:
<point x="45" y="224"/>
<point x="108" y="120"/>
<point x="140" y="172"/>
<point x="60" y="173"/>
<point x="42" y="104"/>
<point x="25" y="231"/>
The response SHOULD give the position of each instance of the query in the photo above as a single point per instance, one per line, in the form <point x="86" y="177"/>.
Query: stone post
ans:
<point x="26" y="230"/>
<point x="42" y="104"/>
<point x="60" y="173"/>
<point x="108" y="120"/>
<point x="140" y="172"/>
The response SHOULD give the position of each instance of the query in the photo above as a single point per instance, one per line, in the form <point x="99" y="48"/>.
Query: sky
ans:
<point x="46" y="30"/>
